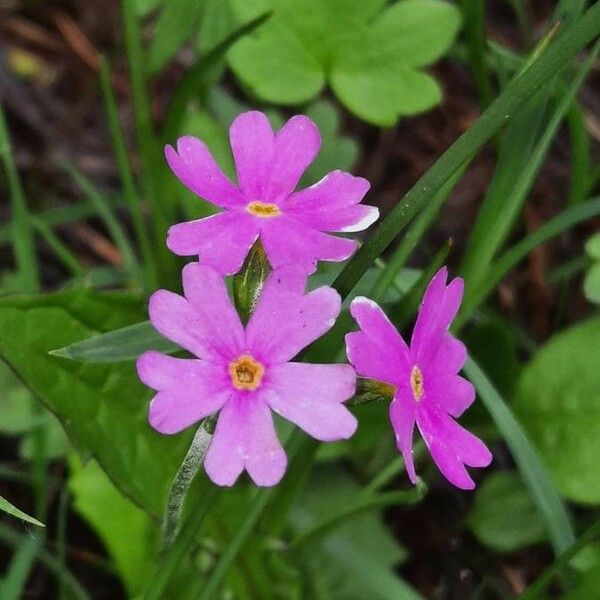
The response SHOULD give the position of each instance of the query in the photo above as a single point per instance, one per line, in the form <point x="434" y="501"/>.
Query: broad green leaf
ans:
<point x="126" y="530"/>
<point x="56" y="442"/>
<point x="369" y="54"/>
<point x="9" y="508"/>
<point x="15" y="403"/>
<point x="103" y="408"/>
<point x="591" y="283"/>
<point x="558" y="402"/>
<point x="503" y="515"/>
<point x="592" y="247"/>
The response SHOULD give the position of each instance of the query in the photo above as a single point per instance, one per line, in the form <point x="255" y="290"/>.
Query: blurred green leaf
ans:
<point x="357" y="559"/>
<point x="558" y="402"/>
<point x="125" y="529"/>
<point x="15" y="403"/>
<point x="9" y="508"/>
<point x="371" y="54"/>
<point x="56" y="442"/>
<point x="591" y="283"/>
<point x="103" y="408"/>
<point x="178" y="21"/>
<point x="503" y="515"/>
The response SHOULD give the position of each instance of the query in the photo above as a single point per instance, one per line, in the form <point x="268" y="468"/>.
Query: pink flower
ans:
<point x="244" y="374"/>
<point x="292" y="225"/>
<point x="428" y="389"/>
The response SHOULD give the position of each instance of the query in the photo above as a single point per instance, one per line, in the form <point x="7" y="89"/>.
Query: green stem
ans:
<point x="181" y="483"/>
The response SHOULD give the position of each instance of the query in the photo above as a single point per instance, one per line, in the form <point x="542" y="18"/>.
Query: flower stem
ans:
<point x="182" y="481"/>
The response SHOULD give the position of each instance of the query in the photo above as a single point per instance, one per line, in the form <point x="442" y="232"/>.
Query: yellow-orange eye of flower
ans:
<point x="246" y="373"/>
<point x="263" y="209"/>
<point x="416" y="382"/>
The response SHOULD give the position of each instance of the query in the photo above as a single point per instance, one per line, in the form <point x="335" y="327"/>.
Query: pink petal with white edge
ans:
<point x="195" y="167"/>
<point x="332" y="204"/>
<point x="188" y="390"/>
<point x="245" y="437"/>
<point x="222" y="240"/>
<point x="296" y="145"/>
<point x="377" y="350"/>
<point x="311" y="396"/>
<point x="286" y="319"/>
<point x="208" y="327"/>
<point x="450" y="393"/>
<point x="402" y="418"/>
<point x="253" y="145"/>
<point x="290" y="242"/>
<point x="452" y="447"/>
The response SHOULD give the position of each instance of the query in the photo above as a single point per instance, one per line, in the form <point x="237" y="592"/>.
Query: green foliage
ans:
<point x="591" y="283"/>
<point x="9" y="508"/>
<point x="103" y="408"/>
<point x="503" y="516"/>
<point x="558" y="401"/>
<point x="370" y="54"/>
<point x="125" y="529"/>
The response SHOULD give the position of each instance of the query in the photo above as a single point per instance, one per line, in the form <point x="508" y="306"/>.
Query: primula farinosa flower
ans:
<point x="293" y="226"/>
<point x="427" y="388"/>
<point x="244" y="374"/>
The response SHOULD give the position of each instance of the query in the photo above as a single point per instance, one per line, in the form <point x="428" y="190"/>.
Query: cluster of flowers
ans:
<point x="244" y="373"/>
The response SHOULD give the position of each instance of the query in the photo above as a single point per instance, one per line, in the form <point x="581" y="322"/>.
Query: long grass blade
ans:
<point x="22" y="233"/>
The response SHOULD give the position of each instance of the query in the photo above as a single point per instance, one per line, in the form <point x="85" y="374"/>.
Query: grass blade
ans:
<point x="9" y="508"/>
<point x="533" y="471"/>
<point x="106" y="214"/>
<point x="581" y="158"/>
<point x="566" y="219"/>
<point x="22" y="233"/>
<point x="129" y="190"/>
<point x="549" y="63"/>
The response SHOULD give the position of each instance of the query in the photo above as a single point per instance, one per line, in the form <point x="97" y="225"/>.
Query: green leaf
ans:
<point x="591" y="284"/>
<point x="15" y="403"/>
<point x="357" y="559"/>
<point x="369" y="54"/>
<point x="125" y="529"/>
<point x="503" y="516"/>
<point x="103" y="408"/>
<point x="592" y="247"/>
<point x="531" y="468"/>
<point x="248" y="283"/>
<point x="558" y="401"/>
<point x="178" y="21"/>
<point x="122" y="344"/>
<point x="9" y="508"/>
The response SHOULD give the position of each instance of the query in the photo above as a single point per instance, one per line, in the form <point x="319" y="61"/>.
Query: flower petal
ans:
<point x="438" y="309"/>
<point x="378" y="350"/>
<point x="402" y="418"/>
<point x="195" y="167"/>
<point x="452" y="447"/>
<point x="450" y="356"/>
<point x="290" y="242"/>
<point x="332" y="204"/>
<point x="311" y="396"/>
<point x="253" y="145"/>
<point x="245" y="437"/>
<point x="286" y="319"/>
<point x="206" y="325"/>
<point x="188" y="390"/>
<point x="452" y="393"/>
<point x="296" y="145"/>
<point x="221" y="240"/>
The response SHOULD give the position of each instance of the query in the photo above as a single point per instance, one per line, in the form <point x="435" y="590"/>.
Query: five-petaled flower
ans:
<point x="428" y="389"/>
<point x="244" y="374"/>
<point x="293" y="226"/>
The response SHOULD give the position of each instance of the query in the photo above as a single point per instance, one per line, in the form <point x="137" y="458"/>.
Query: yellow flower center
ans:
<point x="416" y="382"/>
<point x="263" y="209"/>
<point x="246" y="373"/>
